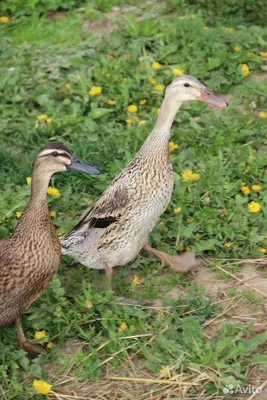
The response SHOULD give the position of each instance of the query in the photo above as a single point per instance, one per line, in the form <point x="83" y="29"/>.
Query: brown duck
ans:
<point x="31" y="256"/>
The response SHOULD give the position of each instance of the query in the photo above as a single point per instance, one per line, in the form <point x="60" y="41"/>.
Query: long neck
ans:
<point x="40" y="182"/>
<point x="161" y="131"/>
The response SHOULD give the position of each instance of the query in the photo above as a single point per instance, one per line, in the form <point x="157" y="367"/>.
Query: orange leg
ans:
<point x="23" y="344"/>
<point x="183" y="263"/>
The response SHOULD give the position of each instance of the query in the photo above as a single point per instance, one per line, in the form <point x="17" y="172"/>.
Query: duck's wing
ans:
<point x="107" y="210"/>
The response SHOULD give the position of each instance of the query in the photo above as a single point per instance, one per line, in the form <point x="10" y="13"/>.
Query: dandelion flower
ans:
<point x="18" y="214"/>
<point x="40" y="335"/>
<point x="262" y="115"/>
<point x="88" y="303"/>
<point x="128" y="121"/>
<point x="142" y="102"/>
<point x="29" y="180"/>
<point x="152" y="81"/>
<point x="123" y="327"/>
<point x="263" y="54"/>
<point x="177" y="72"/>
<point x="49" y="120"/>
<point x="67" y="85"/>
<point x="164" y="371"/>
<point x="110" y="57"/>
<point x="177" y="210"/>
<point x="132" y="108"/>
<point x="180" y="248"/>
<point x="50" y="345"/>
<point x="254" y="207"/>
<point x="205" y="28"/>
<point x="159" y="87"/>
<point x="155" y="66"/>
<point x="78" y="77"/>
<point x="52" y="213"/>
<point x="95" y="91"/>
<point x="41" y="387"/>
<point x="4" y="20"/>
<point x="245" y="190"/>
<point x="190" y="220"/>
<point x="42" y="117"/>
<point x="111" y="102"/>
<point x="229" y="30"/>
<point x="136" y="280"/>
<point x="228" y="245"/>
<point x="244" y="70"/>
<point x="188" y="175"/>
<point x="173" y="146"/>
<point x="256" y="188"/>
<point x="237" y="49"/>
<point x="142" y="123"/>
<point x="158" y="111"/>
<point x="52" y="191"/>
<point x="262" y="250"/>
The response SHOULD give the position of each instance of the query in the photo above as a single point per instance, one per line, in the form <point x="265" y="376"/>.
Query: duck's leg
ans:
<point x="183" y="263"/>
<point x="23" y="344"/>
<point x="109" y="272"/>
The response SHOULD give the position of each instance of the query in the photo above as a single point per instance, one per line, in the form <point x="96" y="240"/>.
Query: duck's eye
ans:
<point x="54" y="154"/>
<point x="186" y="85"/>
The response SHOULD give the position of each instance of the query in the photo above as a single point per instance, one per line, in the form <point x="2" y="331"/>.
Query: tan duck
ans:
<point x="31" y="255"/>
<point x="114" y="230"/>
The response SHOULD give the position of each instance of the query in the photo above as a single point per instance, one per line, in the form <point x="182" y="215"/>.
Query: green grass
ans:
<point x="48" y="67"/>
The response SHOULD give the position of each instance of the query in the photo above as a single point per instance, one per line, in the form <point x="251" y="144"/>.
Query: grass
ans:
<point x="168" y="328"/>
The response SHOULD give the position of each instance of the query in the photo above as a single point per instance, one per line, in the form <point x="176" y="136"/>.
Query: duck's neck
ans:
<point x="40" y="182"/>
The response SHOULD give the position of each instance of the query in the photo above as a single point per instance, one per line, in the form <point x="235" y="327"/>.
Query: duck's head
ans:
<point x="187" y="87"/>
<point x="55" y="157"/>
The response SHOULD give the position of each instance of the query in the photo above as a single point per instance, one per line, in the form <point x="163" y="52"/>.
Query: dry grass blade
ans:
<point x="158" y="381"/>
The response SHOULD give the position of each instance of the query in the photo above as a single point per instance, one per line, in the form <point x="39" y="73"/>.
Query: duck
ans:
<point x="113" y="231"/>
<point x="31" y="255"/>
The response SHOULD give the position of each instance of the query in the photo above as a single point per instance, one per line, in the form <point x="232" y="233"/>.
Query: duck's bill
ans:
<point x="81" y="166"/>
<point x="210" y="98"/>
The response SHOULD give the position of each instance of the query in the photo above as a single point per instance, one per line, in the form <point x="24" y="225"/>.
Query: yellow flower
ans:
<point x="173" y="146"/>
<point x="263" y="54"/>
<point x="229" y="30"/>
<point x="164" y="371"/>
<point x="50" y="345"/>
<point x="88" y="303"/>
<point x="142" y="102"/>
<point x="228" y="245"/>
<point x="29" y="180"/>
<point x="152" y="81"/>
<point x="109" y="57"/>
<point x="79" y="77"/>
<point x="159" y="87"/>
<point x="177" y="210"/>
<point x="4" y="20"/>
<point x="41" y="387"/>
<point x="244" y="70"/>
<point x="128" y="121"/>
<point x="42" y="117"/>
<point x="95" y="91"/>
<point x="49" y="120"/>
<point x="52" y="214"/>
<point x="237" y="49"/>
<point x="156" y="66"/>
<point x="188" y="175"/>
<point x="52" y="191"/>
<point x="158" y="111"/>
<point x="190" y="220"/>
<point x="111" y="102"/>
<point x="256" y="188"/>
<point x="136" y="280"/>
<point x="177" y="72"/>
<point x="18" y="214"/>
<point x="67" y="85"/>
<point x="254" y="207"/>
<point x="180" y="248"/>
<point x="40" y="335"/>
<point x="132" y="108"/>
<point x="206" y="28"/>
<point x="262" y="115"/>
<point x="123" y="327"/>
<point x="262" y="250"/>
<point x="245" y="190"/>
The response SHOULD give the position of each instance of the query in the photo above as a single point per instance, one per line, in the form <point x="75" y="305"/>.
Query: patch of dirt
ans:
<point x="258" y="78"/>
<point x="54" y="15"/>
<point x="99" y="29"/>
